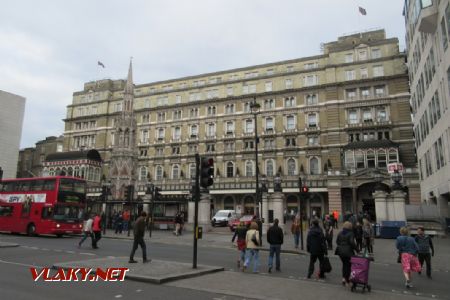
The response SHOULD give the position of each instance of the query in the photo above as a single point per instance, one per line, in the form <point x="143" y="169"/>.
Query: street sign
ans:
<point x="395" y="167"/>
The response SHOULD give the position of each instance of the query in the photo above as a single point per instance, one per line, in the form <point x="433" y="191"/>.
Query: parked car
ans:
<point x="247" y="219"/>
<point x="222" y="217"/>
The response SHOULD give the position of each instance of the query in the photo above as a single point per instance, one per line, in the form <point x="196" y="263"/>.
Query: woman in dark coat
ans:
<point x="346" y="249"/>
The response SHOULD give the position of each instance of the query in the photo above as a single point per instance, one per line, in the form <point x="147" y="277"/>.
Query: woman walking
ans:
<point x="368" y="236"/>
<point x="346" y="249"/>
<point x="408" y="249"/>
<point x="296" y="230"/>
<point x="252" y="240"/>
<point x="240" y="233"/>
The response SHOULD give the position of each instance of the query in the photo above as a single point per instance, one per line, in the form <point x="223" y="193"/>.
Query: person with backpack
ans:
<point x="316" y="247"/>
<point x="240" y="233"/>
<point x="253" y="243"/>
<point x="426" y="249"/>
<point x="368" y="236"/>
<point x="345" y="250"/>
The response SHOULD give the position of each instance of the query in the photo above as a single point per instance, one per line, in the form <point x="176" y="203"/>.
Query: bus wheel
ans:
<point x="31" y="229"/>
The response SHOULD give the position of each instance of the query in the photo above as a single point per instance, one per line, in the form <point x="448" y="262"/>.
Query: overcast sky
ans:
<point x="49" y="49"/>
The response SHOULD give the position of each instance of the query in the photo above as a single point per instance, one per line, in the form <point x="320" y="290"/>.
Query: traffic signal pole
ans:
<point x="196" y="199"/>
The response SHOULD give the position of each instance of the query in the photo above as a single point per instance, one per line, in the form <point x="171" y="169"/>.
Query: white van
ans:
<point x="222" y="217"/>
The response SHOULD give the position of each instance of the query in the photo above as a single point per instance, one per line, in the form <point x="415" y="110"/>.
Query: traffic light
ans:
<point x="207" y="172"/>
<point x="304" y="189"/>
<point x="157" y="193"/>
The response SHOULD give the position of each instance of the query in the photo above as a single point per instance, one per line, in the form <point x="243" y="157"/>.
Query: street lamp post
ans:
<point x="149" y="191"/>
<point x="255" y="107"/>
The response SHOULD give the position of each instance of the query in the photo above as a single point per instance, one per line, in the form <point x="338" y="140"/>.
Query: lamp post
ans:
<point x="255" y="107"/>
<point x="106" y="186"/>
<point x="149" y="191"/>
<point x="264" y="189"/>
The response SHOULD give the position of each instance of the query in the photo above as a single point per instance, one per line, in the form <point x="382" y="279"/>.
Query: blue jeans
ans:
<point x="274" y="249"/>
<point x="296" y="239"/>
<point x="243" y="255"/>
<point x="252" y="253"/>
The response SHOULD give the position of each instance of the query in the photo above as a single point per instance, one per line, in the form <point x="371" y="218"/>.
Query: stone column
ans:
<point x="191" y="214"/>
<point x="334" y="199"/>
<point x="277" y="200"/>
<point x="442" y="202"/>
<point x="380" y="205"/>
<point x="204" y="212"/>
<point x="265" y="213"/>
<point x="396" y="206"/>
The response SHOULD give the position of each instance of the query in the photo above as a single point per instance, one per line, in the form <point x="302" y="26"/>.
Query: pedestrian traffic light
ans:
<point x="157" y="193"/>
<point x="304" y="189"/>
<point x="207" y="172"/>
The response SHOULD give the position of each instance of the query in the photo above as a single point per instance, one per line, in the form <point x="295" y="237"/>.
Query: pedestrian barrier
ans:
<point x="391" y="229"/>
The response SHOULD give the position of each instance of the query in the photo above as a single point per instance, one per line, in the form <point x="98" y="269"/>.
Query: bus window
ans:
<point x="49" y="185"/>
<point x="6" y="211"/>
<point x="24" y="186"/>
<point x="63" y="212"/>
<point x="38" y="185"/>
<point x="47" y="212"/>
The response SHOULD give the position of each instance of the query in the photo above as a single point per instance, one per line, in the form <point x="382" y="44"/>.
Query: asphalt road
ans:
<point x="16" y="282"/>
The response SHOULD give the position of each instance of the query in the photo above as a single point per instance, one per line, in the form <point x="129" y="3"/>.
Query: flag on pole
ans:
<point x="100" y="64"/>
<point x="362" y="11"/>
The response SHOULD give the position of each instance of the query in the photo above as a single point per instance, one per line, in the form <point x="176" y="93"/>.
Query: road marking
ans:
<point x="45" y="249"/>
<point x="138" y="291"/>
<point x="87" y="253"/>
<point x="19" y="264"/>
<point x="71" y="252"/>
<point x="118" y="296"/>
<point x="34" y="248"/>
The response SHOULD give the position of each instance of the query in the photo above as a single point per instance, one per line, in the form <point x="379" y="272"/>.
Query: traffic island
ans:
<point x="8" y="245"/>
<point x="156" y="271"/>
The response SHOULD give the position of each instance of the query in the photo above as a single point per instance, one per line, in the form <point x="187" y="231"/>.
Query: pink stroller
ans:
<point x="360" y="273"/>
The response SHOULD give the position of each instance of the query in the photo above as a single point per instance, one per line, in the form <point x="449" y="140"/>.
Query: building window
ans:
<point x="290" y="122"/>
<point x="288" y="84"/>
<point x="350" y="75"/>
<point x="159" y="173"/>
<point x="176" y="133"/>
<point x="211" y="130"/>
<point x="270" y="103"/>
<point x="249" y="126"/>
<point x="175" y="150"/>
<point x="269" y="144"/>
<point x="177" y="115"/>
<point x="193" y="112"/>
<point x="143" y="173"/>
<point x="312" y="120"/>
<point x="362" y="54"/>
<point x="376" y="53"/>
<point x="268" y="86"/>
<point x="144" y="136"/>
<point x="159" y="151"/>
<point x="378" y="71"/>
<point x="249" y="168"/>
<point x="175" y="172"/>
<point x="290" y="142"/>
<point x="229" y="127"/>
<point x="229" y="108"/>
<point x="291" y="166"/>
<point x="349" y="160"/>
<point x="230" y="169"/>
<point x="177" y="99"/>
<point x="160" y="135"/>
<point x="350" y="94"/>
<point x="193" y="149"/>
<point x="359" y="159"/>
<point x="349" y="57"/>
<point x="146" y="118"/>
<point x="161" y="116"/>
<point x="311" y="80"/>
<point x="270" y="167"/>
<point x="289" y="102"/>
<point x="192" y="170"/>
<point x="313" y="140"/>
<point x="393" y="156"/>
<point x="229" y="146"/>
<point x="353" y="117"/>
<point x="365" y="92"/>
<point x="211" y="110"/>
<point x="370" y="159"/>
<point x="249" y="145"/>
<point x="314" y="167"/>
<point x="194" y="131"/>
<point x="311" y="99"/>
<point x="381" y="157"/>
<point x="230" y="91"/>
<point x="210" y="148"/>
<point x="367" y="115"/>
<point x="380" y="91"/>
<point x="247" y="107"/>
<point x="381" y="114"/>
<point x="269" y="124"/>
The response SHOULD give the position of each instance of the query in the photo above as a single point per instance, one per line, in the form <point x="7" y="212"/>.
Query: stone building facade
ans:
<point x="427" y="39"/>
<point x="333" y="119"/>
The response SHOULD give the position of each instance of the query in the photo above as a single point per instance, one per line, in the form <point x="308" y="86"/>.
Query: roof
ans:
<point x="61" y="156"/>
<point x="371" y="144"/>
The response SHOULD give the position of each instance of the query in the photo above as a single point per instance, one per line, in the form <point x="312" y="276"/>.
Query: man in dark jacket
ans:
<point x="139" y="231"/>
<point x="316" y="246"/>
<point x="275" y="239"/>
<point x="426" y="249"/>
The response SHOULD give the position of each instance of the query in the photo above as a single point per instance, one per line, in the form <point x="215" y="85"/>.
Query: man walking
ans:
<point x="316" y="246"/>
<point x="139" y="232"/>
<point x="425" y="245"/>
<point x="87" y="231"/>
<point x="275" y="239"/>
<point x="97" y="231"/>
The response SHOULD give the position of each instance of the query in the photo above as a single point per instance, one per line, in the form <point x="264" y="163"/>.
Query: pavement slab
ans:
<point x="156" y="271"/>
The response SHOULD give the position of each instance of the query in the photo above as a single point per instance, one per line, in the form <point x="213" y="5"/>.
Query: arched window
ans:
<point x="70" y="171"/>
<point x="291" y="166"/>
<point x="349" y="160"/>
<point x="175" y="172"/>
<point x="370" y="159"/>
<point x="314" y="167"/>
<point x="230" y="169"/>
<point x="359" y="158"/>
<point x="159" y="173"/>
<point x="51" y="172"/>
<point x="192" y="171"/>
<point x="143" y="173"/>
<point x="91" y="174"/>
<point x="249" y="168"/>
<point x="381" y="157"/>
<point x="76" y="172"/>
<point x="393" y="156"/>
<point x="270" y="167"/>
<point x="97" y="174"/>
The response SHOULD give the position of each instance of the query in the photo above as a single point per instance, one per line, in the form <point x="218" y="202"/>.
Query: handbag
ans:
<point x="254" y="239"/>
<point x="325" y="266"/>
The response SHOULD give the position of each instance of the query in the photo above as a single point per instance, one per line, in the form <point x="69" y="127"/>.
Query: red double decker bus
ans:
<point x="46" y="205"/>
